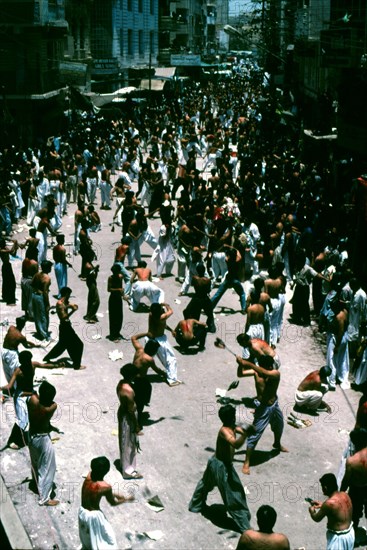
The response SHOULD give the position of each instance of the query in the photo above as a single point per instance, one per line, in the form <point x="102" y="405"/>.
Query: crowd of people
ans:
<point x="251" y="216"/>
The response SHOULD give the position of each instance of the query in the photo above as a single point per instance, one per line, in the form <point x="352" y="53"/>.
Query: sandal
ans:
<point x="134" y="475"/>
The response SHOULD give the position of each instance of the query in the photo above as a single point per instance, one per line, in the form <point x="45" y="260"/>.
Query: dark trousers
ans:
<point x="68" y="341"/>
<point x="143" y="393"/>
<point x="194" y="308"/>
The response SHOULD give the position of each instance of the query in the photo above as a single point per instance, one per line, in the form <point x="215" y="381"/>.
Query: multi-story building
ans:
<point x="216" y="19"/>
<point x="182" y="28"/>
<point x="124" y="41"/>
<point x="33" y="38"/>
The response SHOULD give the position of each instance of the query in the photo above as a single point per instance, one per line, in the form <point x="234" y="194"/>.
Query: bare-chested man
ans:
<point x="258" y="310"/>
<point x="201" y="301"/>
<point x="264" y="538"/>
<point x="9" y="352"/>
<point x="267" y="380"/>
<point x="120" y="255"/>
<point x="337" y="347"/>
<point x="143" y="360"/>
<point x="94" y="529"/>
<point x="41" y="283"/>
<point x="41" y="408"/>
<point x="275" y="288"/>
<point x="338" y="510"/>
<point x="253" y="348"/>
<point x="190" y="332"/>
<point x="221" y="473"/>
<point x="61" y="263"/>
<point x="29" y="269"/>
<point x="355" y="477"/>
<point x="157" y="322"/>
<point x="128" y="422"/>
<point x="311" y="390"/>
<point x="68" y="339"/>
<point x="141" y="281"/>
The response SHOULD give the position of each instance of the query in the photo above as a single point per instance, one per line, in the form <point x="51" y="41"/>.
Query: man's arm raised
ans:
<point x="245" y="368"/>
<point x="135" y="340"/>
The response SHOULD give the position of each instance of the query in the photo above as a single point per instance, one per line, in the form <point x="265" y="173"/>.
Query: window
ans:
<point x="129" y="5"/>
<point x="141" y="42"/>
<point x="140" y="6"/>
<point x="152" y="7"/>
<point x="130" y="42"/>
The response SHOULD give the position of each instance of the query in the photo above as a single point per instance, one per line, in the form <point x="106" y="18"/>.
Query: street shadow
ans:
<point x="216" y="514"/>
<point x="257" y="457"/>
<point x="302" y="410"/>
<point x="155" y="378"/>
<point x="150" y="421"/>
<point x="209" y="449"/>
<point x="229" y="401"/>
<point x="142" y="308"/>
<point x="225" y="310"/>
<point x="187" y="351"/>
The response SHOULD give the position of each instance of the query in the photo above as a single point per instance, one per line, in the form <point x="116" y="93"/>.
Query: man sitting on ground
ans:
<point x="311" y="390"/>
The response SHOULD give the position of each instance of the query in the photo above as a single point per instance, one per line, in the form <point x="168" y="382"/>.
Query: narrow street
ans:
<point x="182" y="428"/>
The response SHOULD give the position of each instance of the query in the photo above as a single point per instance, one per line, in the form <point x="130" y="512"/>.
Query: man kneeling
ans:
<point x="190" y="332"/>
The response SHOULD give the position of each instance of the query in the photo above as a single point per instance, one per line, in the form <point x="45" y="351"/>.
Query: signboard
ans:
<point x="105" y="66"/>
<point x="185" y="60"/>
<point x="73" y="73"/>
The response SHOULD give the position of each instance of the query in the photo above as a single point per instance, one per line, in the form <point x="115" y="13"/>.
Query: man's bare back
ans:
<point x="93" y="491"/>
<point x="256" y="540"/>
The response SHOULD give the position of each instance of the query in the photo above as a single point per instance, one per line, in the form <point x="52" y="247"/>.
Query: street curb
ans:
<point x="13" y="527"/>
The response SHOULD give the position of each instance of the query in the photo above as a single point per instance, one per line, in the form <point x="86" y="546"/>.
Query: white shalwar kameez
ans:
<point x="164" y="253"/>
<point x="145" y="288"/>
<point x="95" y="532"/>
<point x="43" y="464"/>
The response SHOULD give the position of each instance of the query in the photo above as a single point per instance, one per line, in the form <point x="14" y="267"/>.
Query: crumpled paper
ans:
<point x="115" y="355"/>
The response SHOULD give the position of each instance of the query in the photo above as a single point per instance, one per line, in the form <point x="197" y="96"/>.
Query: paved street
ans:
<point x="182" y="428"/>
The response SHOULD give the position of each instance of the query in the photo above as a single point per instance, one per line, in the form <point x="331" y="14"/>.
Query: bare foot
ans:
<point x="246" y="469"/>
<point x="280" y="448"/>
<point x="81" y="367"/>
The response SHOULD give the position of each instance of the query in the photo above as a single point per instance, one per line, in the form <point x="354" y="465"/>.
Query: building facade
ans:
<point x="182" y="28"/>
<point x="33" y="43"/>
<point x="124" y="41"/>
